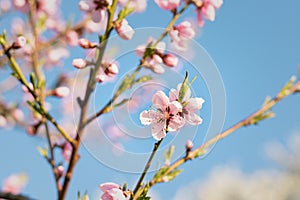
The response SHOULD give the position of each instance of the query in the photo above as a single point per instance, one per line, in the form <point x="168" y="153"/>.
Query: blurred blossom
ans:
<point x="72" y="38"/>
<point x="94" y="27"/>
<point x="67" y="151"/>
<point x="79" y="63"/>
<point x="18" y="26"/>
<point x="180" y="34"/>
<point x="5" y="5"/>
<point x="86" y="44"/>
<point x="124" y="30"/>
<point x="96" y="7"/>
<point x="14" y="184"/>
<point x="137" y="5"/>
<point x="168" y="4"/>
<point x="3" y="121"/>
<point x="55" y="55"/>
<point x="21" y="5"/>
<point x="61" y="91"/>
<point x="170" y="60"/>
<point x="17" y="114"/>
<point x="107" y="72"/>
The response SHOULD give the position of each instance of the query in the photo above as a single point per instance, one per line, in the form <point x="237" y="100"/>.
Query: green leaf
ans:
<point x="43" y="151"/>
<point x="285" y="90"/>
<point x="160" y="173"/>
<point x="33" y="80"/>
<point x="143" y="79"/>
<point x="172" y="175"/>
<point x="184" y="88"/>
<point x="120" y="103"/>
<point x="168" y="154"/>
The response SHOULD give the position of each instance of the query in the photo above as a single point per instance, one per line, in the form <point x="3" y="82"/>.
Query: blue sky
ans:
<point x="255" y="45"/>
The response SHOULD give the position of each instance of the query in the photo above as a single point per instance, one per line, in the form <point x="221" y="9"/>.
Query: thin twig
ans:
<point x="9" y="196"/>
<point x="245" y="122"/>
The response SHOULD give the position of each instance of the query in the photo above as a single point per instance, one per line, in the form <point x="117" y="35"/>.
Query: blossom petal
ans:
<point x="108" y="186"/>
<point x="194" y="104"/>
<point x="175" y="107"/>
<point x="193" y="119"/>
<point x="147" y="117"/>
<point x="173" y="95"/>
<point x="160" y="100"/>
<point x="159" y="130"/>
<point x="176" y="123"/>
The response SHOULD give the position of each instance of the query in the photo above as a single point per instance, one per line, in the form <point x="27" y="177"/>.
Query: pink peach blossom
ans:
<point x="97" y="7"/>
<point x="112" y="191"/>
<point x="14" y="184"/>
<point x="165" y="117"/>
<point x="5" y="5"/>
<point x="107" y="71"/>
<point x="168" y="4"/>
<point x="124" y="30"/>
<point x="190" y="105"/>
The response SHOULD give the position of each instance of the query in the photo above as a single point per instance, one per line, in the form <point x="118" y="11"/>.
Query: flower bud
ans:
<point x="79" y="63"/>
<point x="170" y="60"/>
<point x="61" y="92"/>
<point x="67" y="151"/>
<point x="60" y="170"/>
<point x="189" y="145"/>
<point x="100" y="78"/>
<point x="86" y="44"/>
<point x="111" y="69"/>
<point x="124" y="30"/>
<point x="19" y="43"/>
<point x="32" y="129"/>
<point x="25" y="89"/>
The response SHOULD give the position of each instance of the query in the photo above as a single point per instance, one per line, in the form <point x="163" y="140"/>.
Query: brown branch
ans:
<point x="245" y="122"/>
<point x="9" y="196"/>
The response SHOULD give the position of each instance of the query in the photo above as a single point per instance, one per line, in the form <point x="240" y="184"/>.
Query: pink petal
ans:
<point x="159" y="130"/>
<point x="193" y="119"/>
<point x="173" y="95"/>
<point x="194" y="104"/>
<point x="108" y="186"/>
<point x="158" y="69"/>
<point x="209" y="12"/>
<point x="160" y="100"/>
<point x="147" y="117"/>
<point x="216" y="3"/>
<point x="175" y="107"/>
<point x="175" y="123"/>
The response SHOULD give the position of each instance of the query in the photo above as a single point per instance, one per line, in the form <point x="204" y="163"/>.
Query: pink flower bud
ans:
<point x="189" y="145"/>
<point x="111" y="69"/>
<point x="62" y="92"/>
<point x="32" y="130"/>
<point x="124" y="30"/>
<point x="86" y="44"/>
<point x="67" y="151"/>
<point x="100" y="78"/>
<point x="79" y="63"/>
<point x="19" y="43"/>
<point x="60" y="170"/>
<point x="170" y="60"/>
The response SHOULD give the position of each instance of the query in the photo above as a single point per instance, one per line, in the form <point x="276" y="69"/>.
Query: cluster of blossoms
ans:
<point x="157" y="57"/>
<point x="205" y="9"/>
<point x="171" y="113"/>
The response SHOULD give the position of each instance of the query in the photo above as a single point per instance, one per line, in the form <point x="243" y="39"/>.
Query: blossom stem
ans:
<point x="9" y="196"/>
<point x="201" y="150"/>
<point x="147" y="166"/>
